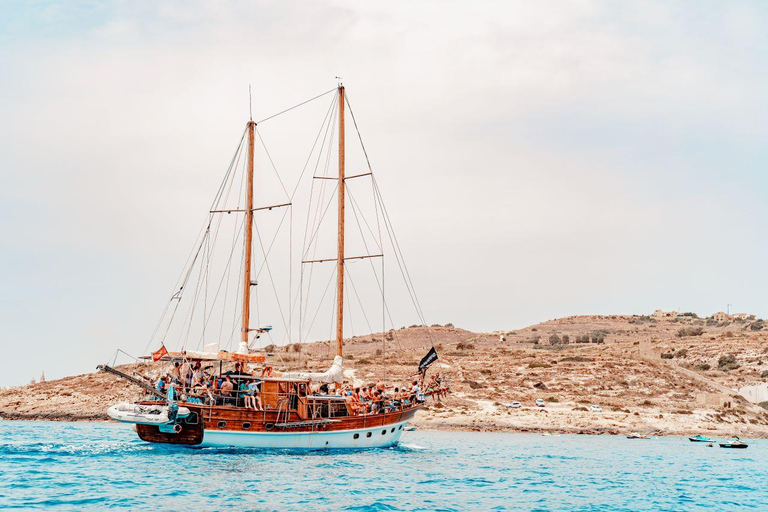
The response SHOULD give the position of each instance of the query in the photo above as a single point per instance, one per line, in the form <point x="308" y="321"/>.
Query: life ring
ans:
<point x="177" y="428"/>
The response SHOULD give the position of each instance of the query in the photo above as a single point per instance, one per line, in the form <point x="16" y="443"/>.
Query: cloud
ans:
<point x="538" y="159"/>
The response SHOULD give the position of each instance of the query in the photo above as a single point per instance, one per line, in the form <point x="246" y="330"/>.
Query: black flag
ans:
<point x="428" y="359"/>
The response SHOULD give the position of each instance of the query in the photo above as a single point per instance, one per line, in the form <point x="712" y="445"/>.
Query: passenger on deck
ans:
<point x="415" y="389"/>
<point x="176" y="372"/>
<point x="226" y="387"/>
<point x="160" y="385"/>
<point x="252" y="398"/>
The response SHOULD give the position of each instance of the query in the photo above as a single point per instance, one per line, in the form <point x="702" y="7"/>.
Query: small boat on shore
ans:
<point x="636" y="435"/>
<point x="734" y="443"/>
<point x="700" y="439"/>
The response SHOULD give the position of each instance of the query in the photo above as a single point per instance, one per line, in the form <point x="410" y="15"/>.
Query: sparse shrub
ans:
<point x="667" y="355"/>
<point x="764" y="375"/>
<point x="566" y="339"/>
<point x="537" y="364"/>
<point x="379" y="352"/>
<point x="553" y="400"/>
<point x="579" y="408"/>
<point x="448" y="325"/>
<point x="726" y="363"/>
<point x="473" y="384"/>
<point x="764" y="405"/>
<point x="681" y="353"/>
<point x="391" y="335"/>
<point x="757" y="326"/>
<point x="702" y="367"/>
<point x="554" y="339"/>
<point x="576" y="359"/>
<point x="690" y="331"/>
<point x="534" y="329"/>
<point x="692" y="315"/>
<point x="296" y="347"/>
<point x="270" y="348"/>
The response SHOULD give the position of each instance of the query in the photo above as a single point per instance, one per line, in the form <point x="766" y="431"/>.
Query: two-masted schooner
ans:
<point x="291" y="412"/>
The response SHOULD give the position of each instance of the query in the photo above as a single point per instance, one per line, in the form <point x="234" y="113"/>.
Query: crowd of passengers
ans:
<point x="193" y="383"/>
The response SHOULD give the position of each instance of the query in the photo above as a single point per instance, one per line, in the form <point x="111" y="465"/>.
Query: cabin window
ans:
<point x="356" y="436"/>
<point x="246" y="425"/>
<point x="222" y="424"/>
<point x="368" y="434"/>
<point x="383" y="431"/>
<point x="400" y="427"/>
<point x="393" y="429"/>
<point x="191" y="419"/>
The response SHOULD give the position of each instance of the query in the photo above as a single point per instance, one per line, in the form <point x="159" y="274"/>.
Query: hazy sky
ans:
<point x="540" y="159"/>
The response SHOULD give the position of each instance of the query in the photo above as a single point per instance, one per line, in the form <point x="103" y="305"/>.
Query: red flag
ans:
<point x="160" y="353"/>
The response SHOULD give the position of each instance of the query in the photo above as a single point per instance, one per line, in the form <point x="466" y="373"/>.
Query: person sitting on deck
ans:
<point x="252" y="399"/>
<point x="226" y="388"/>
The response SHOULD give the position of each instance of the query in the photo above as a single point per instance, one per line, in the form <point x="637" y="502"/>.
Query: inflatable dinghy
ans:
<point x="145" y="414"/>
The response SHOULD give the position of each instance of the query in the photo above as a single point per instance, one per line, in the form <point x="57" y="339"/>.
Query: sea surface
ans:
<point x="80" y="466"/>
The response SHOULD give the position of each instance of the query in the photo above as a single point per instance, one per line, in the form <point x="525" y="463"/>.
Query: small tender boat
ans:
<point x="734" y="443"/>
<point x="146" y="414"/>
<point x="636" y="435"/>
<point x="700" y="439"/>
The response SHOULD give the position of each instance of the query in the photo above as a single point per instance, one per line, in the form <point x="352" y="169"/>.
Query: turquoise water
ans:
<point x="96" y="465"/>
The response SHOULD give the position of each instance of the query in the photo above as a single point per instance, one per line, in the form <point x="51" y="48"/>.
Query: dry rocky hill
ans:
<point x="653" y="375"/>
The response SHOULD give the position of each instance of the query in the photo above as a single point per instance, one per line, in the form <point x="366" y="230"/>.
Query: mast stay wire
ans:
<point x="380" y="284"/>
<point x="389" y="228"/>
<point x="198" y="243"/>
<point x="296" y="106"/>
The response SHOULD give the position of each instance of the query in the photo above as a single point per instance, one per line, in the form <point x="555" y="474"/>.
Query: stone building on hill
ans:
<point x="720" y="316"/>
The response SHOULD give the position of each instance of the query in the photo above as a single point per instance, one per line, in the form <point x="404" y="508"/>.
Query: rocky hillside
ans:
<point x="671" y="376"/>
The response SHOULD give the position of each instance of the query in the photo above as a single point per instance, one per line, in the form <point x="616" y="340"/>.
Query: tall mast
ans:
<point x="340" y="260"/>
<point x="248" y="245"/>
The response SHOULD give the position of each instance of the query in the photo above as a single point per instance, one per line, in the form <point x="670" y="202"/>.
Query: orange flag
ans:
<point x="160" y="353"/>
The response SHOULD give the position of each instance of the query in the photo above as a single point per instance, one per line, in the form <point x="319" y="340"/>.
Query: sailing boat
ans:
<point x="290" y="414"/>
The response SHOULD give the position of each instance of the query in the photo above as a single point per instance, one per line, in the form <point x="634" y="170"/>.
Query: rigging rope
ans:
<point x="296" y="106"/>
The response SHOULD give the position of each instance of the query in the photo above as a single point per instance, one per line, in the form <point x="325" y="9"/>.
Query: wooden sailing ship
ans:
<point x="291" y="415"/>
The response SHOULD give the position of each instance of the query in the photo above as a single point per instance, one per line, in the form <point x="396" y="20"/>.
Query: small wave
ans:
<point x="411" y="446"/>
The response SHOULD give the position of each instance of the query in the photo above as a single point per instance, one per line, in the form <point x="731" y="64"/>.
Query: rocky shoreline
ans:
<point x="648" y="375"/>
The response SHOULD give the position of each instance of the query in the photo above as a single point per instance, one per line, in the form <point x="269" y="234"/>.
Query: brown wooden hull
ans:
<point x="231" y="426"/>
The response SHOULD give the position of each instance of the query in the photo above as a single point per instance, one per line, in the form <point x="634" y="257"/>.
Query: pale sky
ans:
<point x="539" y="159"/>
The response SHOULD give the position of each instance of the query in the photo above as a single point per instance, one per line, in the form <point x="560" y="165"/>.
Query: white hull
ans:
<point x="380" y="437"/>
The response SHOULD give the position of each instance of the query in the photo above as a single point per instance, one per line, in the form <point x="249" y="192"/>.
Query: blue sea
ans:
<point x="78" y="466"/>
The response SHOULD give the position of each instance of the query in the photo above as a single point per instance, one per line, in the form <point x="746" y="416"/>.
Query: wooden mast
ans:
<point x="340" y="256"/>
<point x="248" y="245"/>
